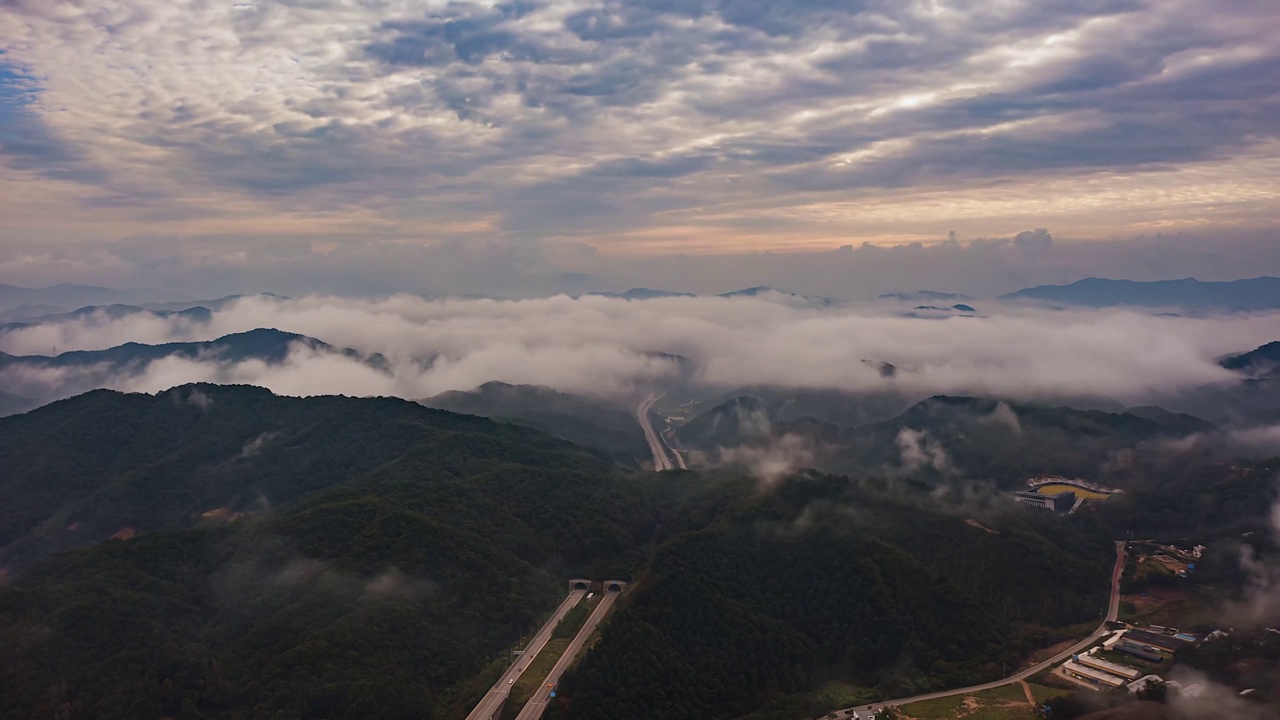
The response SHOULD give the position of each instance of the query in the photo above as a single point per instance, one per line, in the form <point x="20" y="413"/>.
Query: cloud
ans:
<point x="254" y="446"/>
<point x="203" y="401"/>
<point x="1260" y="604"/>
<point x="919" y="451"/>
<point x="1201" y="698"/>
<point x="1265" y="439"/>
<point x="771" y="462"/>
<point x="1038" y="239"/>
<point x="1259" y="440"/>
<point x="634" y="123"/>
<point x="1004" y="415"/>
<point x="396" y="584"/>
<point x="614" y="348"/>
<point x="764" y="456"/>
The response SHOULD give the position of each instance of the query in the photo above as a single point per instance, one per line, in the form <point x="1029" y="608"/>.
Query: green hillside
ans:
<point x="386" y="553"/>
<point x="85" y="468"/>
<point x="337" y="557"/>
<point x="832" y="579"/>
<point x="974" y="438"/>
<point x="582" y="420"/>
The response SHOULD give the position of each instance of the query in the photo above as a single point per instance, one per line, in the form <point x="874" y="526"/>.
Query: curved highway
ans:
<point x="1113" y="611"/>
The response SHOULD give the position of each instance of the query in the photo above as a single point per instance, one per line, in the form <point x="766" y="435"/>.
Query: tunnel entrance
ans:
<point x="615" y="587"/>
<point x="580" y="586"/>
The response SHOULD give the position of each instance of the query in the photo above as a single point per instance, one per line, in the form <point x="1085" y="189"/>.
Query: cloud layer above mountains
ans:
<point x="614" y="348"/>
<point x="632" y="125"/>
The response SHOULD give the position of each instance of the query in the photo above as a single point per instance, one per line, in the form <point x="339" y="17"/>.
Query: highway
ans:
<point x="538" y="703"/>
<point x="493" y="700"/>
<point x="1113" y="611"/>
<point x="679" y="456"/>
<point x="660" y="460"/>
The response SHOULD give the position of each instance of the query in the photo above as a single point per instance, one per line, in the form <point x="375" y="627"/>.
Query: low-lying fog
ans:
<point x="615" y="348"/>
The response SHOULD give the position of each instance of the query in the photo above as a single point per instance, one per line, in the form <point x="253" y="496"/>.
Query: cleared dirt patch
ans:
<point x="980" y="526"/>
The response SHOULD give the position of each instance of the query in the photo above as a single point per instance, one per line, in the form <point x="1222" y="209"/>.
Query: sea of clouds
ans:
<point x="614" y="348"/>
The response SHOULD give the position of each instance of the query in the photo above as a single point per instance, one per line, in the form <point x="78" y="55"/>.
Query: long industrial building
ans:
<point x="1138" y="651"/>
<point x="1123" y="671"/>
<point x="1094" y="676"/>
<point x="1163" y="642"/>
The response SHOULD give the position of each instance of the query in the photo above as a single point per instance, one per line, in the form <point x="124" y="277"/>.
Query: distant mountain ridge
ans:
<point x="214" y="304"/>
<point x="765" y="291"/>
<point x="266" y="344"/>
<point x="640" y="294"/>
<point x="1253" y="294"/>
<point x="72" y="296"/>
<point x="84" y="370"/>
<point x="113" y="304"/>
<point x="197" y="313"/>
<point x="925" y="296"/>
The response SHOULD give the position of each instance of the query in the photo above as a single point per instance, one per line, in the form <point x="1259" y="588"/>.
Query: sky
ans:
<point x="841" y="147"/>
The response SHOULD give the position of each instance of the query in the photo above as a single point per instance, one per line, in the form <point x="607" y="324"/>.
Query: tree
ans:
<point x="1153" y="690"/>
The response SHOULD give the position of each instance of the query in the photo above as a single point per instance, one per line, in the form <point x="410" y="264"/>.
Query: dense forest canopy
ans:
<point x="386" y="551"/>
<point x="975" y="438"/>
<point x="335" y="557"/>
<point x="829" y="578"/>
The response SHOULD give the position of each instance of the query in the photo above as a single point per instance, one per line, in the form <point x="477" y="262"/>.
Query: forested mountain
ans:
<point x="978" y="438"/>
<point x="1195" y="494"/>
<point x="334" y="557"/>
<point x="827" y="578"/>
<point x="106" y="461"/>
<point x="1261" y="362"/>
<point x="576" y="418"/>
<point x="1251" y="399"/>
<point x="835" y="407"/>
<point x="305" y="558"/>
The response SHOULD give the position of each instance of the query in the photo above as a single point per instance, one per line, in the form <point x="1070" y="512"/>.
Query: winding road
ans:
<point x="1113" y="611"/>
